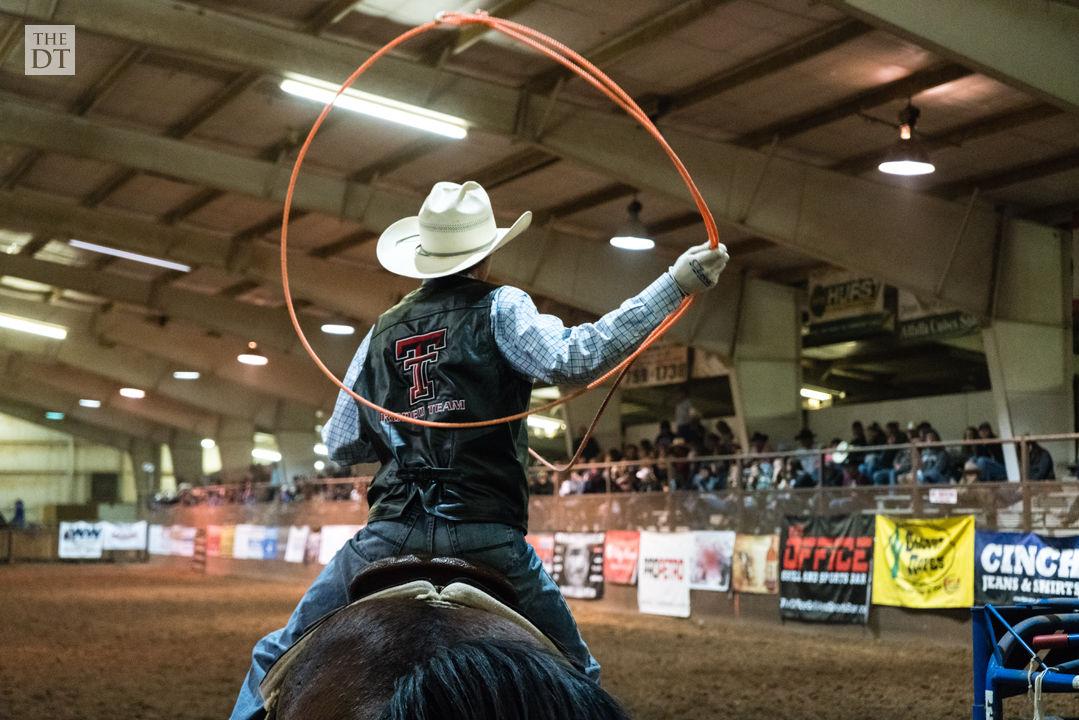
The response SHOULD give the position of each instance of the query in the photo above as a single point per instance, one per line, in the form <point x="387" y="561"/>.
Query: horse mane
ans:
<point x="392" y="660"/>
<point x="498" y="679"/>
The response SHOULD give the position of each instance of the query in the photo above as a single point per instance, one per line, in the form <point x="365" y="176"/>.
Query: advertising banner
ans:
<point x="213" y="541"/>
<point x="620" y="556"/>
<point x="247" y="542"/>
<point x="181" y="540"/>
<point x="228" y="540"/>
<point x="924" y="563"/>
<point x="665" y="365"/>
<point x="578" y="565"/>
<point x="81" y="540"/>
<point x="845" y="306"/>
<point x="930" y="320"/>
<point x="712" y="555"/>
<point x="663" y="581"/>
<point x="756" y="564"/>
<point x="296" y="545"/>
<point x="314" y="546"/>
<point x="543" y="544"/>
<point x="826" y="568"/>
<point x="125" y="536"/>
<point x="334" y="538"/>
<point x="157" y="542"/>
<point x="1025" y="567"/>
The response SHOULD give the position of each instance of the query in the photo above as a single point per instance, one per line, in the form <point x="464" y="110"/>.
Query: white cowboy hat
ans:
<point x="454" y="230"/>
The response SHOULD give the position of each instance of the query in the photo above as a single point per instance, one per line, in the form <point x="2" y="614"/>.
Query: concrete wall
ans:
<point x="950" y="414"/>
<point x="44" y="467"/>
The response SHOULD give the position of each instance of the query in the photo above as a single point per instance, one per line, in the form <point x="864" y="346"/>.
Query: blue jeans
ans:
<point x="499" y="547"/>
<point x="887" y="476"/>
<point x="992" y="471"/>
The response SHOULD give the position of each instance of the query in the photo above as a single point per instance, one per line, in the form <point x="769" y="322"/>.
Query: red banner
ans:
<point x="620" y="557"/>
<point x="543" y="544"/>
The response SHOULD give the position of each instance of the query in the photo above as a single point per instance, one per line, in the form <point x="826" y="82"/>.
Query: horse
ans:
<point x="430" y="639"/>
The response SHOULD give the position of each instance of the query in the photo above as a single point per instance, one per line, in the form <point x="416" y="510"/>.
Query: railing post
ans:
<point x="1025" y="485"/>
<point x="915" y="490"/>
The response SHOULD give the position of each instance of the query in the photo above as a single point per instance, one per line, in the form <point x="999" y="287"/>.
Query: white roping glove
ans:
<point x="699" y="267"/>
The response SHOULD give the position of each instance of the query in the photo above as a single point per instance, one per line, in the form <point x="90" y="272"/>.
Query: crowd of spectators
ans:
<point x="261" y="484"/>
<point x="682" y="458"/>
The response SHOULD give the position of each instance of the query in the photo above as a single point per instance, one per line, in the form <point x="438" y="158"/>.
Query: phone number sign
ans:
<point x="666" y="365"/>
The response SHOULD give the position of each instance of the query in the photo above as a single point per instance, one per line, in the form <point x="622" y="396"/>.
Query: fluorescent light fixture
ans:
<point x="252" y="357"/>
<point x="133" y="393"/>
<point x="88" y="403"/>
<point x="136" y="257"/>
<point x="266" y="454"/>
<point x="811" y="394"/>
<point x="629" y="242"/>
<point x="21" y="324"/>
<point x="319" y="465"/>
<point x="337" y="329"/>
<point x="186" y="375"/>
<point x="633" y="235"/>
<point x="376" y="106"/>
<point x="207" y="443"/>
<point x="53" y="415"/>
<point x="546" y="393"/>
<point x="546" y="426"/>
<point x="321" y="449"/>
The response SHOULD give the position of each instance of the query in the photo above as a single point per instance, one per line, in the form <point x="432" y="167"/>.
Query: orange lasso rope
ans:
<point x="573" y="61"/>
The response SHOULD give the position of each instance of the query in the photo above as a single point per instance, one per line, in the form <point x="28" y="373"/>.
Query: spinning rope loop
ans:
<point x="595" y="77"/>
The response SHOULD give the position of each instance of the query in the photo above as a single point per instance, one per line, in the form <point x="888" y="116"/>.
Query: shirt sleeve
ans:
<point x="540" y="347"/>
<point x="341" y="434"/>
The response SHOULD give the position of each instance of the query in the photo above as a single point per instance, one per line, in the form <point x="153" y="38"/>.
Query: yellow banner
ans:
<point x="924" y="563"/>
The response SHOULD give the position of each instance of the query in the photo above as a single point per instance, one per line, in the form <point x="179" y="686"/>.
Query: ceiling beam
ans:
<point x="1065" y="213"/>
<point x="764" y="65"/>
<point x="268" y="326"/>
<point x="33" y="245"/>
<point x="955" y="136"/>
<point x="587" y="201"/>
<point x="76" y="428"/>
<point x="996" y="179"/>
<point x="468" y="36"/>
<point x="511" y="167"/>
<point x="1032" y="46"/>
<point x="344" y="244"/>
<point x="674" y="222"/>
<point x="910" y="85"/>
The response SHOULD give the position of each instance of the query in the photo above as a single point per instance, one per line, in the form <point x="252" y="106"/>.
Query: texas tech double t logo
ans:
<point x="416" y="354"/>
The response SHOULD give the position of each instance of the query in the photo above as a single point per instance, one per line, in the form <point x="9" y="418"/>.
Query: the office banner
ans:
<point x="825" y="568"/>
<point x="125" y="535"/>
<point x="578" y="565"/>
<point x="663" y="580"/>
<point x="81" y="540"/>
<point x="213" y="540"/>
<point x="1024" y="567"/>
<point x="756" y="564"/>
<point x="924" y="563"/>
<point x="620" y="556"/>
<point x="713" y="551"/>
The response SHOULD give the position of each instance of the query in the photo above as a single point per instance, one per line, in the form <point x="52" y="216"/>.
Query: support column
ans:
<point x="146" y="463"/>
<point x="186" y="451"/>
<point x="235" y="440"/>
<point x="766" y="373"/>
<point x="1028" y="344"/>
<point x="297" y="452"/>
<point x="579" y="413"/>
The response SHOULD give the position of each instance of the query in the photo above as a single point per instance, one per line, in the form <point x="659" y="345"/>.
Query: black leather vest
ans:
<point x="433" y="356"/>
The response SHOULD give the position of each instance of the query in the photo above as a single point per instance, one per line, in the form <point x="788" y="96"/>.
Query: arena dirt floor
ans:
<point x="141" y="641"/>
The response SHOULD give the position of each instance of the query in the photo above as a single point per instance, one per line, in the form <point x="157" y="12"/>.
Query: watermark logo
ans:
<point x="50" y="50"/>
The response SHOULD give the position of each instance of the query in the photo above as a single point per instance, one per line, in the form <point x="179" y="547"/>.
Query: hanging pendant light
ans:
<point x="907" y="156"/>
<point x="632" y="234"/>
<point x="252" y="356"/>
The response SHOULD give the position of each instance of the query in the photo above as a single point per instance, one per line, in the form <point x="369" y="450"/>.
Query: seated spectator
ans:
<point x="591" y="449"/>
<point x="541" y="484"/>
<point x="706" y="480"/>
<point x="647" y="449"/>
<point x="990" y="457"/>
<point x="647" y="481"/>
<point x="971" y="473"/>
<point x="900" y="466"/>
<point x="858" y="439"/>
<point x="680" y="469"/>
<point x="573" y="485"/>
<point x="808" y="458"/>
<point x="665" y="438"/>
<point x="694" y="431"/>
<point x="935" y="462"/>
<point x="872" y="461"/>
<point x="1041" y="463"/>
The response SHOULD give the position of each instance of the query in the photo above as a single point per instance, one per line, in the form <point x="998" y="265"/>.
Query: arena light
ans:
<point x="376" y="106"/>
<point x="186" y="375"/>
<point x="545" y="426"/>
<point x="208" y="443"/>
<point x="132" y="393"/>
<point x="811" y="394"/>
<point x="54" y="415"/>
<point x="321" y="449"/>
<point x="337" y="329"/>
<point x="320" y="466"/>
<point x="33" y="327"/>
<point x="633" y="235"/>
<point x="266" y="454"/>
<point x="252" y="357"/>
<point x="907" y="156"/>
<point x="89" y="403"/>
<point x="125" y="255"/>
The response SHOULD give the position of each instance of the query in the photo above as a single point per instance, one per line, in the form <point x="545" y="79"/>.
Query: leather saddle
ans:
<point x="439" y="571"/>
